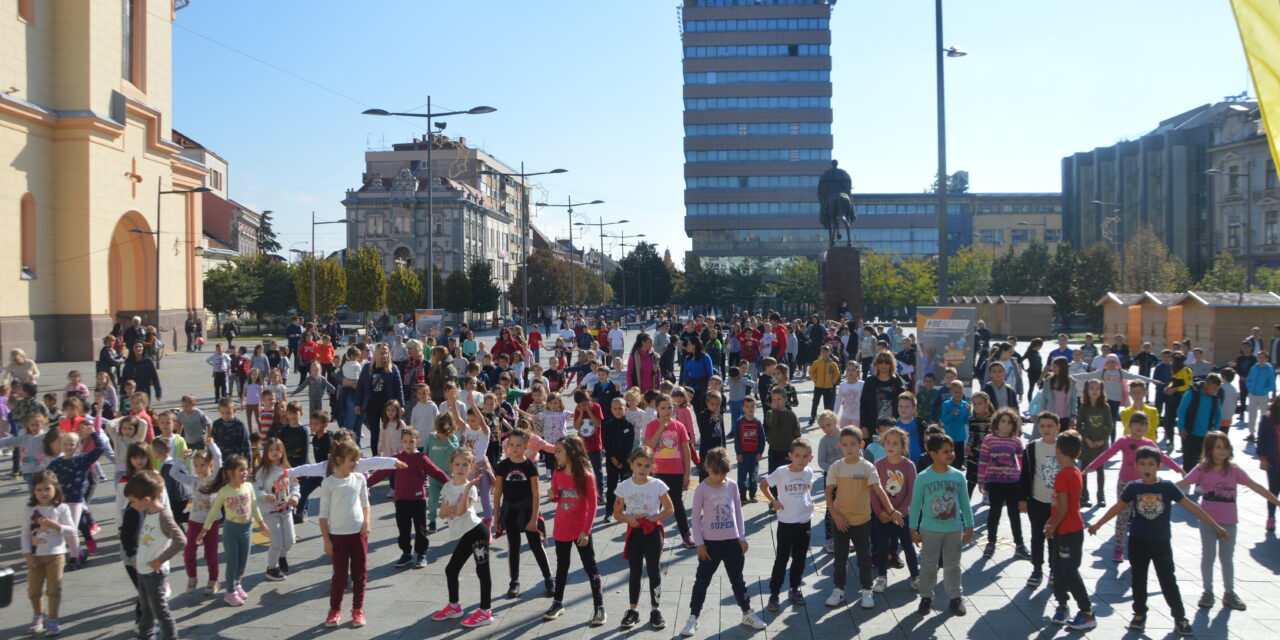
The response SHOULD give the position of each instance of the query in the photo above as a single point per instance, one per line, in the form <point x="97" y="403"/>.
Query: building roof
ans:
<point x="1123" y="299"/>
<point x="1163" y="299"/>
<point x="1227" y="299"/>
<point x="1199" y="116"/>
<point x="1027" y="300"/>
<point x="215" y="243"/>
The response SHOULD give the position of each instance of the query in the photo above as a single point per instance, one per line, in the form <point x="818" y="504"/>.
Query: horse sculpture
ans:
<point x="834" y="188"/>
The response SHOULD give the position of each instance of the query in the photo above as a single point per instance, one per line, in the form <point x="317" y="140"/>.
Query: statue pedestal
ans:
<point x="842" y="281"/>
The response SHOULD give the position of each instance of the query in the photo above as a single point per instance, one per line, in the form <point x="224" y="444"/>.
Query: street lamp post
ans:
<point x="570" y="204"/>
<point x="161" y="192"/>
<point x="624" y="244"/>
<point x="1248" y="218"/>
<point x="525" y="232"/>
<point x="431" y="143"/>
<point x="314" y="317"/>
<point x="939" y="52"/>
<point x="600" y="227"/>
<point x="1112" y="227"/>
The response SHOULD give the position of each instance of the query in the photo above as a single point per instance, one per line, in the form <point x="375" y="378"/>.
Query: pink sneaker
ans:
<point x="357" y="618"/>
<point x="332" y="619"/>
<point x="233" y="599"/>
<point x="241" y="592"/>
<point x="478" y="618"/>
<point x="449" y="612"/>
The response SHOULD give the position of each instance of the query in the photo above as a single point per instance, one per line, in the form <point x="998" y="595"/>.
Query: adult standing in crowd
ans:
<point x="141" y="369"/>
<point x="696" y="370"/>
<point x="20" y="369"/>
<point x="230" y="331"/>
<point x="643" y="367"/>
<point x="379" y="382"/>
<point x="190" y="328"/>
<point x="441" y="372"/>
<point x="134" y="333"/>
<point x="294" y="333"/>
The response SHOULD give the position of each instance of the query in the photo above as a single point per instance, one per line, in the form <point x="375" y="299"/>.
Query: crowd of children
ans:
<point x="898" y="462"/>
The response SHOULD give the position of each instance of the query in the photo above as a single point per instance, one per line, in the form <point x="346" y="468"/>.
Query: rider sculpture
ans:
<point x="834" y="188"/>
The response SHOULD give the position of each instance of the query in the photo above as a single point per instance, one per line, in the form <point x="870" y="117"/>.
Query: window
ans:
<point x="784" y="102"/>
<point x="758" y="51"/>
<point x="756" y="77"/>
<point x="1271" y="227"/>
<point x="1233" y="180"/>
<point x="793" y="24"/>
<point x="1048" y="208"/>
<point x="751" y="208"/>
<point x="215" y="179"/>
<point x="1052" y="235"/>
<point x="751" y="182"/>
<point x="1233" y="231"/>
<point x="27" y="12"/>
<point x="992" y="236"/>
<point x="376" y="225"/>
<point x="1273" y="180"/>
<point x="1016" y="208"/>
<point x="133" y="22"/>
<point x="28" y="224"/>
<point x="759" y="129"/>
<point x="758" y="155"/>
<point x="988" y="208"/>
<point x="1023" y="235"/>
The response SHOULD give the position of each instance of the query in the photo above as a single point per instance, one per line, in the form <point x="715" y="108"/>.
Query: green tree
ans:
<point x="484" y="292"/>
<point x="548" y="281"/>
<point x="744" y="282"/>
<point x="275" y="285"/>
<point x="648" y="280"/>
<point x="799" y="284"/>
<point x="917" y="282"/>
<point x="267" y="241"/>
<point x="1149" y="265"/>
<point x="437" y="286"/>
<point x="1061" y="281"/>
<point x="456" y="296"/>
<point x="227" y="289"/>
<point x="1266" y="279"/>
<point x="701" y="286"/>
<point x="1096" y="273"/>
<point x="969" y="271"/>
<point x="404" y="291"/>
<point x="1226" y="275"/>
<point x="366" y="280"/>
<point x="331" y="284"/>
<point x="957" y="182"/>
<point x="879" y="276"/>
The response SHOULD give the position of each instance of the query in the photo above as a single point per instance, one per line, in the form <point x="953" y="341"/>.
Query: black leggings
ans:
<point x="411" y="518"/>
<point x="564" y="549"/>
<point x="474" y="543"/>
<point x="793" y="545"/>
<point x="675" y="489"/>
<point x="1003" y="494"/>
<point x="514" y="520"/>
<point x="645" y="548"/>
<point x="613" y="475"/>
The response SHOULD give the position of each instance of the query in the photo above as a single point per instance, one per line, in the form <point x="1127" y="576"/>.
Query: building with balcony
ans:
<point x="1246" y="198"/>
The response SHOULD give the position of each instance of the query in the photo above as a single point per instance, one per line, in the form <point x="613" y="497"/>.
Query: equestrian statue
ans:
<point x="834" y="188"/>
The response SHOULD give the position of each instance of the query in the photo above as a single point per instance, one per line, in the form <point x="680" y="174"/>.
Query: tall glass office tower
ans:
<point x="757" y="126"/>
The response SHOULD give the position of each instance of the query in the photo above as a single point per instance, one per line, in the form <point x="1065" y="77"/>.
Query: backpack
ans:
<point x="1194" y="409"/>
<point x="584" y="340"/>
<point x="242" y="366"/>
<point x="177" y="492"/>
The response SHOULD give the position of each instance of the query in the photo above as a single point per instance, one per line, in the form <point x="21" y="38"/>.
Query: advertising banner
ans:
<point x="945" y="336"/>
<point x="428" y="321"/>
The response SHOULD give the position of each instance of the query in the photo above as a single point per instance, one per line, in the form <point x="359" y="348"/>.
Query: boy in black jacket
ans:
<point x="1035" y="496"/>
<point x="619" y="437"/>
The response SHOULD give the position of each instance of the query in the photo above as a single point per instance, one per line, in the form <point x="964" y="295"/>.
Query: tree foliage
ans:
<point x="331" y="284"/>
<point x="548" y="281"/>
<point x="404" y="291"/>
<point x="275" y="291"/>
<point x="1225" y="275"/>
<point x="799" y="283"/>
<point x="917" y="282"/>
<point x="879" y="274"/>
<point x="1096" y="273"/>
<point x="485" y="293"/>
<point x="1061" y="283"/>
<point x="1023" y="274"/>
<point x="227" y="289"/>
<point x="969" y="271"/>
<point x="648" y="280"/>
<point x="456" y="296"/>
<point x="1150" y="266"/>
<point x="268" y="243"/>
<point x="957" y="182"/>
<point x="1266" y="279"/>
<point x="366" y="281"/>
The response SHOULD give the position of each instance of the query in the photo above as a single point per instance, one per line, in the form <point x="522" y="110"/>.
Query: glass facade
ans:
<point x="751" y="208"/>
<point x="900" y="241"/>
<point x="758" y="155"/>
<point x="750" y="3"/>
<point x="755" y="77"/>
<point x="759" y="129"/>
<point x="751" y="182"/>
<point x="908" y="209"/>
<point x="761" y="102"/>
<point x="792" y="24"/>
<point x="758" y="51"/>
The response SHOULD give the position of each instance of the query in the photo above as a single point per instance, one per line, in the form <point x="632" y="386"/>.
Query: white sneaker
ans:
<point x="751" y="620"/>
<point x="868" y="599"/>
<point x="690" y="627"/>
<point x="915" y="583"/>
<point x="836" y="598"/>
<point x="879" y="584"/>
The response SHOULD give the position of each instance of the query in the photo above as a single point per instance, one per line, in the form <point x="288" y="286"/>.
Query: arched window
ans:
<point x="402" y="256"/>
<point x="28" y="224"/>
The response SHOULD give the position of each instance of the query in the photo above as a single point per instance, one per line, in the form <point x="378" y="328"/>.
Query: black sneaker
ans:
<point x="957" y="607"/>
<point x="599" y="617"/>
<point x="630" y="619"/>
<point x="656" y="620"/>
<point x="1035" y="579"/>
<point x="405" y="560"/>
<point x="1182" y="627"/>
<point x="284" y="565"/>
<point x="990" y="550"/>
<point x="554" y="612"/>
<point x="895" y="561"/>
<point x="274" y="575"/>
<point x="926" y="606"/>
<point x="1102" y="499"/>
<point x="513" y="591"/>
<point x="297" y="517"/>
<point x="1084" y="500"/>
<point x="431" y="528"/>
<point x="1138" y="623"/>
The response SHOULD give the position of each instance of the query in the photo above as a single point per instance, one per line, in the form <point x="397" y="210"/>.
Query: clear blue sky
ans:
<point x="595" y="87"/>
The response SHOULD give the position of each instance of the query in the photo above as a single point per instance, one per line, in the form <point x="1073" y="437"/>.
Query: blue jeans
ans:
<point x="748" y="472"/>
<point x="347" y="400"/>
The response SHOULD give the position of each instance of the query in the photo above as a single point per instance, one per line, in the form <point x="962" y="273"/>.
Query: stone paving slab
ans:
<point x="97" y="600"/>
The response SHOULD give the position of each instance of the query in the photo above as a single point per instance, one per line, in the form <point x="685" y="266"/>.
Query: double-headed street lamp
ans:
<point x="570" y="204"/>
<point x="524" y="233"/>
<point x="1112" y="229"/>
<point x="600" y="227"/>
<point x="161" y="192"/>
<point x="431" y="143"/>
<point x="622" y="238"/>
<point x="314" y="317"/>
<point x="943" y="182"/>
<point x="1248" y="217"/>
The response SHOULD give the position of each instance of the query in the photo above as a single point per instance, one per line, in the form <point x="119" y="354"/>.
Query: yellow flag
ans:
<point x="1259" y="22"/>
